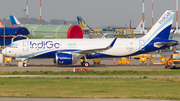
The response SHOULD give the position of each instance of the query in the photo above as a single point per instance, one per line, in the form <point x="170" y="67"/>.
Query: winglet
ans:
<point x="104" y="36"/>
<point x="112" y="44"/>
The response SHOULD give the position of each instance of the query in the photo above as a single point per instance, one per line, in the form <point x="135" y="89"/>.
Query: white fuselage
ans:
<point x="33" y="48"/>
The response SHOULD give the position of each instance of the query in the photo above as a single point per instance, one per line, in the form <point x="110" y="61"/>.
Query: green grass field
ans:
<point x="92" y="72"/>
<point x="141" y="88"/>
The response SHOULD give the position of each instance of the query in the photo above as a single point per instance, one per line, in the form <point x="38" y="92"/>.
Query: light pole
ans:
<point x="4" y="30"/>
<point x="24" y="15"/>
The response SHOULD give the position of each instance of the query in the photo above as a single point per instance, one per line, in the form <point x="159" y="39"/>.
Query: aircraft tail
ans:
<point x="141" y="25"/>
<point x="14" y="20"/>
<point x="161" y="29"/>
<point x="82" y="23"/>
<point x="1" y="25"/>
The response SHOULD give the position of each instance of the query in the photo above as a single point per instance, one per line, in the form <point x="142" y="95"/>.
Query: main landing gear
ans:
<point x="84" y="62"/>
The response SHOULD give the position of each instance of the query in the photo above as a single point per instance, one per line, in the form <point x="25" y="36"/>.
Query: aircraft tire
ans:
<point x="86" y="64"/>
<point x="25" y="65"/>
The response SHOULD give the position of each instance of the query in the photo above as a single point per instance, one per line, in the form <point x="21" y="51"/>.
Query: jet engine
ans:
<point x="63" y="58"/>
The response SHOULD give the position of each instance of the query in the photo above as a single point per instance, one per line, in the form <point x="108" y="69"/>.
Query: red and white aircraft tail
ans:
<point x="1" y="24"/>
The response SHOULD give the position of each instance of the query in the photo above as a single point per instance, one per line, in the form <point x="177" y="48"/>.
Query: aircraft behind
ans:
<point x="69" y="51"/>
<point x="82" y="23"/>
<point x="1" y="25"/>
<point x="140" y="28"/>
<point x="141" y="25"/>
<point x="14" y="21"/>
<point x="85" y="26"/>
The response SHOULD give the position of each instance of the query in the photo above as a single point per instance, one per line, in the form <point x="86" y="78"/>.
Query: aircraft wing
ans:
<point x="89" y="52"/>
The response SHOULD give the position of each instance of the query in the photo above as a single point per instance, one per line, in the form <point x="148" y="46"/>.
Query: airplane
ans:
<point x="140" y="28"/>
<point x="141" y="25"/>
<point x="69" y="51"/>
<point x="14" y="21"/>
<point x="1" y="25"/>
<point x="82" y="23"/>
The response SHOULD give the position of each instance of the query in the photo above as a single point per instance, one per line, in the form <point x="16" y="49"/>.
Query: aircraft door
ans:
<point x="141" y="45"/>
<point x="25" y="45"/>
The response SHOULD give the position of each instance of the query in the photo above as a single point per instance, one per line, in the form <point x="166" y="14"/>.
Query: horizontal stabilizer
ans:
<point x="167" y="43"/>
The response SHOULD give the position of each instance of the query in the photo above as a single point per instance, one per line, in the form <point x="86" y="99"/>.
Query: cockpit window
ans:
<point x="13" y="45"/>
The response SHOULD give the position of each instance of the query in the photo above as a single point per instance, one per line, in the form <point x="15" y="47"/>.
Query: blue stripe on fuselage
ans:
<point x="52" y="53"/>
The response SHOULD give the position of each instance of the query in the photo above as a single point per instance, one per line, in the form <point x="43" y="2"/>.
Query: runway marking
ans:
<point x="95" y="76"/>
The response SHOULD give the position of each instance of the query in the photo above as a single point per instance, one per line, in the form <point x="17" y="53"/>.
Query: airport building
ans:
<point x="54" y="31"/>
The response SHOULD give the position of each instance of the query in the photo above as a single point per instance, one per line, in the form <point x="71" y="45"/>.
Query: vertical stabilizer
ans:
<point x="141" y="25"/>
<point x="161" y="29"/>
<point x="14" y="20"/>
<point x="82" y="23"/>
<point x="1" y="25"/>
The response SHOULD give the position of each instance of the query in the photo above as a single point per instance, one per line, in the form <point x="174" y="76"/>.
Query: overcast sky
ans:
<point x="104" y="12"/>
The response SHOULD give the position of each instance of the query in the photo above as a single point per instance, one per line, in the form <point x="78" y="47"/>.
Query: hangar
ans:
<point x="54" y="31"/>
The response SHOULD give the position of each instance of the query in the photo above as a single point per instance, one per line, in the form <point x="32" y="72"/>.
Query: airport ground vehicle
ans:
<point x="124" y="60"/>
<point x="173" y="61"/>
<point x="97" y="61"/>
<point x="8" y="60"/>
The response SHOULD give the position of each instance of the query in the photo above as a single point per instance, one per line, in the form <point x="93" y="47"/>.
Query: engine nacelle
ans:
<point x="63" y="58"/>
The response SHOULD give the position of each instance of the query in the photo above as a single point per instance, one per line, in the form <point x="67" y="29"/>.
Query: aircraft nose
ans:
<point x="4" y="51"/>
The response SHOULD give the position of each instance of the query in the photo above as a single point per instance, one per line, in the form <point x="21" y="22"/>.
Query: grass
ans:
<point x="92" y="72"/>
<point x="141" y="88"/>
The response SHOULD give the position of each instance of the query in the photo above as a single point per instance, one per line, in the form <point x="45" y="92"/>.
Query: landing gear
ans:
<point x="25" y="63"/>
<point x="84" y="62"/>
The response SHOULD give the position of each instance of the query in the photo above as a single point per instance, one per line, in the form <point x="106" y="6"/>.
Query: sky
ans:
<point x="102" y="12"/>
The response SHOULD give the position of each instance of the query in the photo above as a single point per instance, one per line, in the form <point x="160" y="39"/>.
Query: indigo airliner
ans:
<point x="69" y="51"/>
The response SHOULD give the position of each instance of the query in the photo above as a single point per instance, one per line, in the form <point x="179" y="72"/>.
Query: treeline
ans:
<point x="37" y="21"/>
